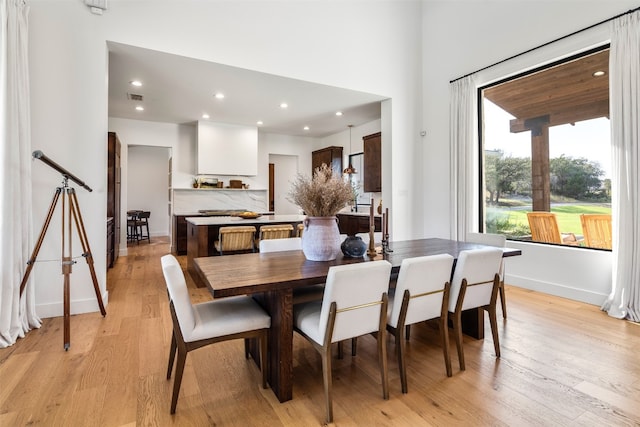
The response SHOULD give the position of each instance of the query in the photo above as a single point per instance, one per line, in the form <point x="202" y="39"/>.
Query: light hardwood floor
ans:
<point x="563" y="363"/>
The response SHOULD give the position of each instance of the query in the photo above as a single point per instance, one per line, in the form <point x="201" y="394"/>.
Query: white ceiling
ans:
<point x="179" y="90"/>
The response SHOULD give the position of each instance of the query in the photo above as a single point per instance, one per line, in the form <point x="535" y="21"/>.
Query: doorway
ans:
<point x="148" y="183"/>
<point x="282" y="170"/>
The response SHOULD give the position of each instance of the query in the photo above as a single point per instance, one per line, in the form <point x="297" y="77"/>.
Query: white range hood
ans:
<point x="226" y="149"/>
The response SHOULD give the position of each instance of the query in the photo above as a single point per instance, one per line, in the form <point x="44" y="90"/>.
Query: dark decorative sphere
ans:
<point x="353" y="247"/>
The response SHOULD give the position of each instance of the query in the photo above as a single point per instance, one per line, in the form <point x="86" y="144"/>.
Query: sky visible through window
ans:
<point x="589" y="139"/>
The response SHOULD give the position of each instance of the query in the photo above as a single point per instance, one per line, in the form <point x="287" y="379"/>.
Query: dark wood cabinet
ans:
<point x="373" y="163"/>
<point x="110" y="241"/>
<point x="332" y="156"/>
<point x="179" y="238"/>
<point x="113" y="196"/>
<point x="353" y="224"/>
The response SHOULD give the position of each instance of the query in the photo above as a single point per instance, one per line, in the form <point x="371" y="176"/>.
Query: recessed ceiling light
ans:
<point x="306" y="128"/>
<point x="219" y="95"/>
<point x="205" y="116"/>
<point x="136" y="83"/>
<point x="338" y="113"/>
<point x="140" y="108"/>
<point x="284" y="105"/>
<point x="259" y="122"/>
<point x="598" y="73"/>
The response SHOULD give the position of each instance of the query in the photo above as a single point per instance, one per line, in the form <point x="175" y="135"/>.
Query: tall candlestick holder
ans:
<point x="385" y="232"/>
<point x="371" y="252"/>
<point x="385" y="244"/>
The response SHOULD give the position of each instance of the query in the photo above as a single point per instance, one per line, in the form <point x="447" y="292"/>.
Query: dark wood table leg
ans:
<point x="279" y="304"/>
<point x="473" y="323"/>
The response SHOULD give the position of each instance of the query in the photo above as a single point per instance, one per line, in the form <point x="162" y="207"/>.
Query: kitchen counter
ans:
<point x="235" y="220"/>
<point x="202" y="232"/>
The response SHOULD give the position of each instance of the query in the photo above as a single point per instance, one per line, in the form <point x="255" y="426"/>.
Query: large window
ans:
<point x="546" y="148"/>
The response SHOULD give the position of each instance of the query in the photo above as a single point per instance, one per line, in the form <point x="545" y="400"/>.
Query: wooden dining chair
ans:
<point x="235" y="239"/>
<point x="499" y="241"/>
<point x="354" y="304"/>
<point x="597" y="230"/>
<point x="475" y="283"/>
<point x="421" y="294"/>
<point x="299" y="230"/>
<point x="544" y="228"/>
<point x="198" y="325"/>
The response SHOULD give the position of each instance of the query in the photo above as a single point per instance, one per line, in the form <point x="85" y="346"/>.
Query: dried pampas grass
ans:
<point x="323" y="195"/>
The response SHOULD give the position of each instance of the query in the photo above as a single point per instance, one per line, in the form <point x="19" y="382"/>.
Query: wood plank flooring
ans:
<point x="563" y="363"/>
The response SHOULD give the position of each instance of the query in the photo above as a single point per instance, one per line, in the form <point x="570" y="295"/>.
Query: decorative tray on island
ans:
<point x="249" y="215"/>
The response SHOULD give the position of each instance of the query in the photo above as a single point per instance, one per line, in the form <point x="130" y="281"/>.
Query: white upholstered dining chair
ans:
<point x="198" y="325"/>
<point x="354" y="304"/>
<point x="301" y="294"/>
<point x="475" y="284"/>
<point x="499" y="241"/>
<point x="421" y="293"/>
<point x="278" y="245"/>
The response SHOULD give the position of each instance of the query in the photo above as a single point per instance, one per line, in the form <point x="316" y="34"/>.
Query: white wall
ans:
<point x="464" y="36"/>
<point x="148" y="185"/>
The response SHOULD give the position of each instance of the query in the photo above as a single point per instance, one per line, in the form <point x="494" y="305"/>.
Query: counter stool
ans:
<point x="277" y="231"/>
<point x="132" y="226"/>
<point x="143" y="223"/>
<point x="234" y="239"/>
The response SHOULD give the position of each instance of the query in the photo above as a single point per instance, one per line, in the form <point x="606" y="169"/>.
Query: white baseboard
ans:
<point x="89" y="305"/>
<point x="563" y="291"/>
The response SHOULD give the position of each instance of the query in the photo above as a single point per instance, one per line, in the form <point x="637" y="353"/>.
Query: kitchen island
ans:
<point x="203" y="231"/>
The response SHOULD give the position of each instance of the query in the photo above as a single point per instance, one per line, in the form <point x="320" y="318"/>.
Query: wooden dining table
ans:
<point x="271" y="277"/>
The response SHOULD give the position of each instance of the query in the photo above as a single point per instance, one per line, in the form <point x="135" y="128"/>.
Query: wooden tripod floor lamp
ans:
<point x="70" y="210"/>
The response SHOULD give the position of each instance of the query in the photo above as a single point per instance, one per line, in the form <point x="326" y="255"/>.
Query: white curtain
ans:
<point x="17" y="315"/>
<point x="624" y="79"/>
<point x="463" y="119"/>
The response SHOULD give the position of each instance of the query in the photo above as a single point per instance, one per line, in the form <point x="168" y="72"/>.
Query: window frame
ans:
<point x="481" y="188"/>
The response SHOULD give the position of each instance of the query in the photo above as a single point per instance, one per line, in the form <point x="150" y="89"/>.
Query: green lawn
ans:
<point x="568" y="216"/>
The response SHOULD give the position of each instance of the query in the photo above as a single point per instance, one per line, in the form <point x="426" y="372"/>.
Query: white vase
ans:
<point x="321" y="238"/>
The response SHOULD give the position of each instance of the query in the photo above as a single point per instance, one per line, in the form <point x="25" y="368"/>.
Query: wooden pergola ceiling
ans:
<point x="567" y="93"/>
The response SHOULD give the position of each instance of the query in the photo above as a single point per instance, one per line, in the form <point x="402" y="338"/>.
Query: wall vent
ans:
<point x="134" y="97"/>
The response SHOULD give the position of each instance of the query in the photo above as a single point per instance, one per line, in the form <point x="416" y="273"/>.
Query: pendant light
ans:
<point x="350" y="170"/>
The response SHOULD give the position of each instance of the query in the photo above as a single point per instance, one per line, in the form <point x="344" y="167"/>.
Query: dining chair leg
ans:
<point x="494" y="328"/>
<point x="246" y="348"/>
<point x="503" y="301"/>
<point x="354" y="348"/>
<point x="182" y="358"/>
<point x="172" y="355"/>
<point x="407" y="332"/>
<point x="444" y="335"/>
<point x="326" y="376"/>
<point x="263" y="358"/>
<point x="457" y="330"/>
<point x="400" y="353"/>
<point x="382" y="359"/>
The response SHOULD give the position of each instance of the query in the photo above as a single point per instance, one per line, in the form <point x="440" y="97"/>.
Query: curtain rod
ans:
<point x="546" y="44"/>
